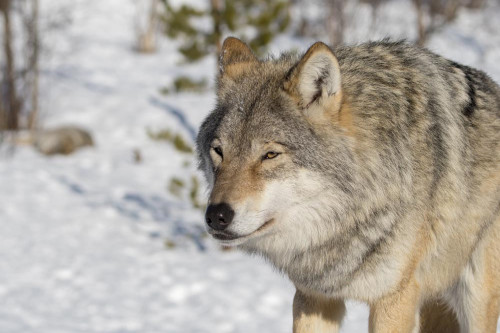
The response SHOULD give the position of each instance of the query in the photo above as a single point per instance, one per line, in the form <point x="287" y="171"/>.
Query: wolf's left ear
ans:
<point x="315" y="80"/>
<point x="234" y="55"/>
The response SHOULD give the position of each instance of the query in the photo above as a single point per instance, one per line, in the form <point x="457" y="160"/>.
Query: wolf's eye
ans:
<point x="270" y="155"/>
<point x="218" y="151"/>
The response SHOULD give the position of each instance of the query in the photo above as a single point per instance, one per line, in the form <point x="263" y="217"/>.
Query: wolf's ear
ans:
<point x="315" y="80"/>
<point x="234" y="52"/>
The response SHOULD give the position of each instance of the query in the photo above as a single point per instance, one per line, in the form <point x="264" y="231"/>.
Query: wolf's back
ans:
<point x="434" y="120"/>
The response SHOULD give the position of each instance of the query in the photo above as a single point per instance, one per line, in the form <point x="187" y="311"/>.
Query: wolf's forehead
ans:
<point x="254" y="106"/>
<point x="244" y="122"/>
<point x="260" y="123"/>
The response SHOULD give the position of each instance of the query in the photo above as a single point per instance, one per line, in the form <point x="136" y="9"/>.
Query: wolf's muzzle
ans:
<point x="219" y="216"/>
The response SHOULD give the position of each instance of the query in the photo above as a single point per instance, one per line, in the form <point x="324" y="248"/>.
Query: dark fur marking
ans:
<point x="291" y="71"/>
<point x="319" y="82"/>
<point x="440" y="153"/>
<point x="469" y="109"/>
<point x="372" y="250"/>
<point x="373" y="246"/>
<point x="263" y="88"/>
<point x="485" y="227"/>
<point x="207" y="132"/>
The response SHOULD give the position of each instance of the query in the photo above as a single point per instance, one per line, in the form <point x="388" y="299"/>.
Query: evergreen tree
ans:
<point x="257" y="21"/>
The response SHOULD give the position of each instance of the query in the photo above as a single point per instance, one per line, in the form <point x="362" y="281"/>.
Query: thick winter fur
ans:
<point x="369" y="172"/>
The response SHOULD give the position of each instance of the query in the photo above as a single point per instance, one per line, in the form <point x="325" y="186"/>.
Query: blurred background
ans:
<point x="101" y="203"/>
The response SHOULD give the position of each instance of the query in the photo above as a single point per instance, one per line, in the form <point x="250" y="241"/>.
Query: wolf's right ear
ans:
<point x="315" y="80"/>
<point x="234" y="56"/>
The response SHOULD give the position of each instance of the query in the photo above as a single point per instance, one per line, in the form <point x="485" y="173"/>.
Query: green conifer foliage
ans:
<point x="257" y="22"/>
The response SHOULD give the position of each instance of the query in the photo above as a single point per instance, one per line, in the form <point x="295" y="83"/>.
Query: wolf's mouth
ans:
<point x="226" y="237"/>
<point x="265" y="225"/>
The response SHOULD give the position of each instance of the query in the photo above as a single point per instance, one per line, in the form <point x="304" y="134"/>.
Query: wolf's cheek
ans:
<point x="258" y="212"/>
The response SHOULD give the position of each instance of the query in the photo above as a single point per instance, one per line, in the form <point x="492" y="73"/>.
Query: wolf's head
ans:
<point x="277" y="149"/>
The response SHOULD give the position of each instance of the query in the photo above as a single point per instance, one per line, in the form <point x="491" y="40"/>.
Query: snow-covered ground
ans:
<point x="82" y="238"/>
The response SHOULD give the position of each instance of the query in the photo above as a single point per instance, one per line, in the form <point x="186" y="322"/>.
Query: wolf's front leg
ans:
<point x="397" y="312"/>
<point x="315" y="315"/>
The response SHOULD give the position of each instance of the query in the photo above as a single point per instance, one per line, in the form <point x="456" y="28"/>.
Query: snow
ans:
<point x="82" y="238"/>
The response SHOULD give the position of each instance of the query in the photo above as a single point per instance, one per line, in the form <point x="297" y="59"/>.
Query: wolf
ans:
<point x="367" y="172"/>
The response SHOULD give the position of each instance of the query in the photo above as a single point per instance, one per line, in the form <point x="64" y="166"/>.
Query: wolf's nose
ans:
<point x="219" y="216"/>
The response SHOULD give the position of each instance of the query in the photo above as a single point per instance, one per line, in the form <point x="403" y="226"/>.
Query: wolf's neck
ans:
<point x="329" y="266"/>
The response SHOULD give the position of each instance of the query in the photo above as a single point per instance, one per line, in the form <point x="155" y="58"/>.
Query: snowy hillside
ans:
<point x="83" y="238"/>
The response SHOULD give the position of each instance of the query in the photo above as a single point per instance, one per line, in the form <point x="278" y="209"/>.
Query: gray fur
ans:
<point x="427" y="140"/>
